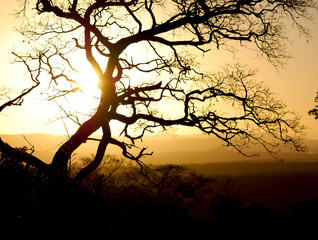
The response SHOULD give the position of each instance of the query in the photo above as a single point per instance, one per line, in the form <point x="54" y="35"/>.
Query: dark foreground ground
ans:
<point x="117" y="202"/>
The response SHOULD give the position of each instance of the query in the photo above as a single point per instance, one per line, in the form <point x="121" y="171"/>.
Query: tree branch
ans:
<point x="7" y="151"/>
<point x="99" y="155"/>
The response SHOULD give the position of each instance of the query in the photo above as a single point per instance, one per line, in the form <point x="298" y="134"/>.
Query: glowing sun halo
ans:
<point x="88" y="83"/>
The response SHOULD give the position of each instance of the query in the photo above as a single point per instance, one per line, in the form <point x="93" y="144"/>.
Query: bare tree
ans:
<point x="168" y="34"/>
<point x="314" y="111"/>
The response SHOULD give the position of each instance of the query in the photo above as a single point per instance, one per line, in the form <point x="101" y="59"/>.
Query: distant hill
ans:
<point x="166" y="149"/>
<point x="257" y="168"/>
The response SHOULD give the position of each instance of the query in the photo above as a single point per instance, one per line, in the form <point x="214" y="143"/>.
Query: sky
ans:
<point x="296" y="84"/>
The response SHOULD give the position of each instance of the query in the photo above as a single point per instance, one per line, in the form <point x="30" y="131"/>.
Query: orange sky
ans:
<point x="296" y="84"/>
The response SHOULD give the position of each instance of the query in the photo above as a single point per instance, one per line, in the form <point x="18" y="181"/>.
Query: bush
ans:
<point x="118" y="201"/>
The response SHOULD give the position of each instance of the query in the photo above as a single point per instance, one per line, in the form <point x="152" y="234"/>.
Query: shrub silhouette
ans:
<point x="227" y="198"/>
<point x="33" y="205"/>
<point x="118" y="201"/>
<point x="159" y="198"/>
<point x="115" y="197"/>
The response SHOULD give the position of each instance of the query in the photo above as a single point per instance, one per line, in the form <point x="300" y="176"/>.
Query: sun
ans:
<point x="87" y="98"/>
<point x="87" y="81"/>
<point x="77" y="106"/>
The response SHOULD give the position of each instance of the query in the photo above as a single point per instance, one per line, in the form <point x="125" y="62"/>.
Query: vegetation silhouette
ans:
<point x="119" y="201"/>
<point x="109" y="199"/>
<point x="135" y="87"/>
<point x="314" y="111"/>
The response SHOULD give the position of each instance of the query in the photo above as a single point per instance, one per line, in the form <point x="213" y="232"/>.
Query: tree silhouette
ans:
<point x="314" y="111"/>
<point x="167" y="35"/>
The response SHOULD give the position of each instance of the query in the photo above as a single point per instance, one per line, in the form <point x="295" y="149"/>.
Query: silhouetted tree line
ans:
<point x="118" y="201"/>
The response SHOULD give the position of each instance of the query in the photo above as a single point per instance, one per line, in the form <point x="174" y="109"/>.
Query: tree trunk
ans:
<point x="99" y="155"/>
<point x="63" y="154"/>
<point x="101" y="117"/>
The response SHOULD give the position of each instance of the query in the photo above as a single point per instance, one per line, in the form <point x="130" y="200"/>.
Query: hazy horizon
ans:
<point x="167" y="149"/>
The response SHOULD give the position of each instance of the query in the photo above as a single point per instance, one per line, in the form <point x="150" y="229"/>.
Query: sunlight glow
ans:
<point x="86" y="99"/>
<point x="77" y="106"/>
<point x="88" y="81"/>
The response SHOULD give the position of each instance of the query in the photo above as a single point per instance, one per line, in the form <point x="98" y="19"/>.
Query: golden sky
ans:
<point x="296" y="84"/>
